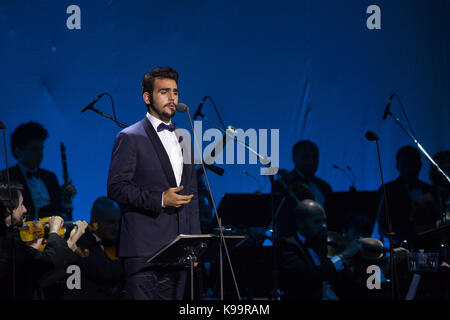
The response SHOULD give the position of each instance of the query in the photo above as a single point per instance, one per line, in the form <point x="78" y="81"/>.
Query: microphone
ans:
<point x="91" y="104"/>
<point x="353" y="176"/>
<point x="2" y="126"/>
<point x="388" y="107"/>
<point x="181" y="107"/>
<point x="371" y="136"/>
<point x="199" y="108"/>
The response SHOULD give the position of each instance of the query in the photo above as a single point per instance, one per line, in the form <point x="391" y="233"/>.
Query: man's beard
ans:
<point x="163" y="113"/>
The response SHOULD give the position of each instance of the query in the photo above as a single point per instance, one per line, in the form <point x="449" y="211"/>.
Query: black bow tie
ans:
<point x="31" y="174"/>
<point x="162" y="126"/>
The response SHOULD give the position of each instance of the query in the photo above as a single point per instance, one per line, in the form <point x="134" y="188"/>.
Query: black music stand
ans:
<point x="186" y="249"/>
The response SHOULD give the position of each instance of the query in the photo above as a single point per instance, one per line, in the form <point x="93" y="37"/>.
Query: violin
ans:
<point x="111" y="252"/>
<point x="30" y="231"/>
<point x="373" y="249"/>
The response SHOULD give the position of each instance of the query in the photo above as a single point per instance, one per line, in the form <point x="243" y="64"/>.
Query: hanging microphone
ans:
<point x="388" y="107"/>
<point x="199" y="108"/>
<point x="371" y="136"/>
<point x="91" y="104"/>
<point x="352" y="187"/>
<point x="353" y="175"/>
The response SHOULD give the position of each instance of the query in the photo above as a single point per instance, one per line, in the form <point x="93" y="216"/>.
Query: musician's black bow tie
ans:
<point x="31" y="174"/>
<point x="171" y="127"/>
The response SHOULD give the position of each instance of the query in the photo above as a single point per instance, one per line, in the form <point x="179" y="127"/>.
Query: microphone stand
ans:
<point x="397" y="121"/>
<point x="390" y="234"/>
<point x="119" y="123"/>
<point x="263" y="160"/>
<point x="219" y="222"/>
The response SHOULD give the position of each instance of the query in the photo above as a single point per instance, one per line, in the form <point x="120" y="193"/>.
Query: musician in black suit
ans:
<point x="156" y="190"/>
<point x="101" y="270"/>
<point x="305" y="270"/>
<point x="302" y="182"/>
<point x="23" y="267"/>
<point x="43" y="196"/>
<point x="432" y="209"/>
<point x="401" y="193"/>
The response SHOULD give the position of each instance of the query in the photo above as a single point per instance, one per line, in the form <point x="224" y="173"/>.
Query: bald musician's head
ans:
<point x="311" y="220"/>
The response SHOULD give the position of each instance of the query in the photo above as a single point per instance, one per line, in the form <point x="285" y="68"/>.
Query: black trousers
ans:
<point x="144" y="281"/>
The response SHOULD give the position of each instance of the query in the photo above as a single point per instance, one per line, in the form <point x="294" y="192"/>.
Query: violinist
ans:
<point x="22" y="266"/>
<point x="306" y="272"/>
<point x="101" y="271"/>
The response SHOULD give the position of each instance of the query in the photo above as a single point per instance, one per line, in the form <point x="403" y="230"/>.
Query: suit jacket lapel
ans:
<point x="304" y="249"/>
<point x="160" y="151"/>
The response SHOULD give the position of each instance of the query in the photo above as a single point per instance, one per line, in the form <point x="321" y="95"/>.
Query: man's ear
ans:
<point x="16" y="152"/>
<point x="147" y="98"/>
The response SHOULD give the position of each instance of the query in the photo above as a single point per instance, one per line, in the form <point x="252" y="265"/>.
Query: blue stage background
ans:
<point x="310" y="68"/>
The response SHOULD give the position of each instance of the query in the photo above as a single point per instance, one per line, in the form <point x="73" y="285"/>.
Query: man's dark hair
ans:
<point x="25" y="133"/>
<point x="408" y="151"/>
<point x="6" y="203"/>
<point x="101" y="207"/>
<point x="148" y="82"/>
<point x="299" y="147"/>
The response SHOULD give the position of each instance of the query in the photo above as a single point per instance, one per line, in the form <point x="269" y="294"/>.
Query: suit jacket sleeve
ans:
<point x="121" y="187"/>
<point x="299" y="268"/>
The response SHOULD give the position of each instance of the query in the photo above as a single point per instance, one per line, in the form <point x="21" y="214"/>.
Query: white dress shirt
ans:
<point x="172" y="147"/>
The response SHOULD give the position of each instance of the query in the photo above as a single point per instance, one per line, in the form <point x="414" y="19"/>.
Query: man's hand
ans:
<point x="76" y="234"/>
<point x="354" y="248"/>
<point x="172" y="199"/>
<point x="56" y="223"/>
<point x="68" y="191"/>
<point x="37" y="244"/>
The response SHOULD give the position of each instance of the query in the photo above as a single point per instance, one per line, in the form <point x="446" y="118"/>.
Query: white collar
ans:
<point x="155" y="121"/>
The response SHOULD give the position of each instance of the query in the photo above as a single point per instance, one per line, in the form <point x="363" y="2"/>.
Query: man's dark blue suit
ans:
<point x="139" y="173"/>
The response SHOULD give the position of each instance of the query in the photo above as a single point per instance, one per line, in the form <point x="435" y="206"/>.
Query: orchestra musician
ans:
<point x="306" y="271"/>
<point x="101" y="270"/>
<point x="42" y="194"/>
<point x="23" y="268"/>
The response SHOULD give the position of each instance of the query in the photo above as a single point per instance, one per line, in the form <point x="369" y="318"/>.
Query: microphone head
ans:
<point x="181" y="107"/>
<point x="371" y="136"/>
